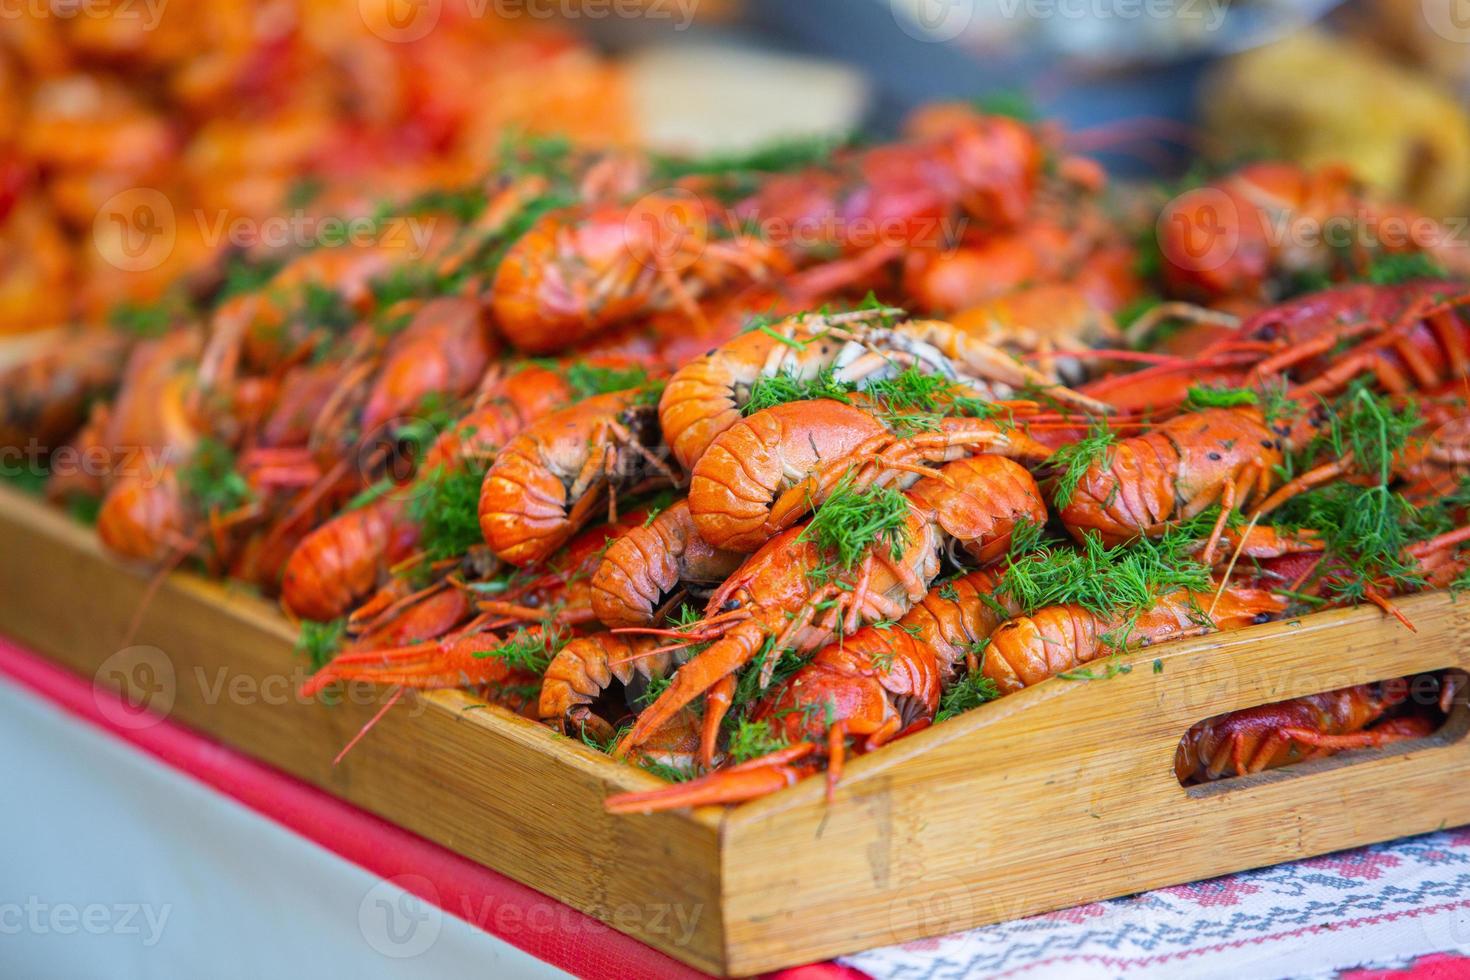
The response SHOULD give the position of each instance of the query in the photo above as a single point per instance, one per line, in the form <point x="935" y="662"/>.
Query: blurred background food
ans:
<point x="118" y="113"/>
<point x="247" y="110"/>
<point x="1321" y="99"/>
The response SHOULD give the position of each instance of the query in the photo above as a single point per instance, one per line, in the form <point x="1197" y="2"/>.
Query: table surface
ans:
<point x="145" y="821"/>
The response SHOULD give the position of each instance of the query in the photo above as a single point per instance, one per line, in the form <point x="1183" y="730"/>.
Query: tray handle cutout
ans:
<point x="1300" y="736"/>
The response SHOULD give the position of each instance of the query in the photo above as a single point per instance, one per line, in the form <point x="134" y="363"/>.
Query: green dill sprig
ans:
<point x="527" y="650"/>
<point x="1111" y="669"/>
<point x="1390" y="270"/>
<point x="966" y="694"/>
<point x="1202" y="397"/>
<point x="1117" y="581"/>
<point x="321" y="309"/>
<point x="787" y="386"/>
<point x="320" y="642"/>
<point x="665" y="771"/>
<point x="211" y="480"/>
<point x="1365" y="424"/>
<point x="593" y="379"/>
<point x="447" y="510"/>
<point x="1071" y="462"/>
<point x="853" y="519"/>
<point x="1009" y="102"/>
<point x="144" y="319"/>
<point x="781" y="156"/>
<point x="753" y="739"/>
<point x="242" y="276"/>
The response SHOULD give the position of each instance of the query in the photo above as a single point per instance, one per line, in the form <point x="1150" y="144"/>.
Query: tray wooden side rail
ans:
<point x="1048" y="798"/>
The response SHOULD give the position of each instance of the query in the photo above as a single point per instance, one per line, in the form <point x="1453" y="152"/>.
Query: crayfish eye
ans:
<point x="1262" y="617"/>
<point x="730" y="605"/>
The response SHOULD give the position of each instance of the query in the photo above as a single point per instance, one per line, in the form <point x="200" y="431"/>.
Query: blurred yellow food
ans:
<point x="1431" y="34"/>
<point x="1317" y="99"/>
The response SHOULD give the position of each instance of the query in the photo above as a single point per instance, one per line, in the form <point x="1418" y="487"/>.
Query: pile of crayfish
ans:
<point x="733" y="469"/>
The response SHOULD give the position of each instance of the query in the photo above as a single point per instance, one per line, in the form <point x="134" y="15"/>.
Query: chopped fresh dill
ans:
<point x="447" y="510"/>
<point x="320" y="641"/>
<point x="1365" y="424"/>
<point x="656" y="687"/>
<point x="791" y="342"/>
<point x="143" y="320"/>
<point x="853" y="519"/>
<point x="1010" y="102"/>
<point x="370" y="494"/>
<point x="966" y="694"/>
<point x="323" y="308"/>
<point x="404" y="282"/>
<point x="1366" y="530"/>
<point x="778" y="389"/>
<point x="1072" y="461"/>
<point x="752" y="739"/>
<point x="668" y="773"/>
<point x="605" y="746"/>
<point x="1202" y="397"/>
<point x="1115" y="581"/>
<point x="592" y="379"/>
<point x="1113" y="669"/>
<point x="211" y="480"/>
<point x="245" y="277"/>
<point x="1389" y="270"/>
<point x="525" y="649"/>
<point x="526" y="155"/>
<point x="781" y="156"/>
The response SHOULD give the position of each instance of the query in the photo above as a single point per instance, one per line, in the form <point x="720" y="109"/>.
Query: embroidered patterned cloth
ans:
<point x="1372" y="908"/>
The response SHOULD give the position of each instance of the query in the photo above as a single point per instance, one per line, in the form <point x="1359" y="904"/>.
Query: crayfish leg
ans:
<point x="1355" y="740"/>
<point x="727" y="655"/>
<point x="717" y="702"/>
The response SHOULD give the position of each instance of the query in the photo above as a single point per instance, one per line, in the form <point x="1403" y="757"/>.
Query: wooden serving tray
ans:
<point x="1058" y="795"/>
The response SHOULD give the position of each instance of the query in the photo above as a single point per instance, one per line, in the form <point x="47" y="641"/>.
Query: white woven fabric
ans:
<point x="1377" y="906"/>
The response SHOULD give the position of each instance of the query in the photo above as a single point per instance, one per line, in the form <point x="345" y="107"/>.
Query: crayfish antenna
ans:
<point x="160" y="575"/>
<point x="370" y="724"/>
<point x="1383" y="602"/>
